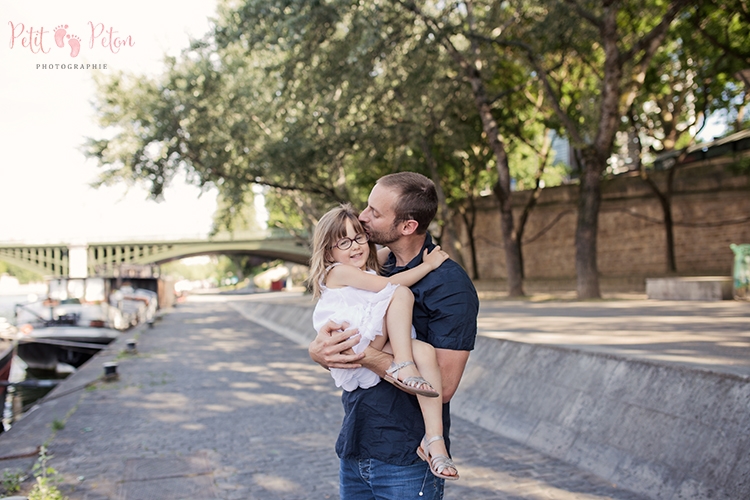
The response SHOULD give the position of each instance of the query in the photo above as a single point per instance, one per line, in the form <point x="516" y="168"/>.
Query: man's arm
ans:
<point x="452" y="364"/>
<point x="376" y="360"/>
<point x="329" y="347"/>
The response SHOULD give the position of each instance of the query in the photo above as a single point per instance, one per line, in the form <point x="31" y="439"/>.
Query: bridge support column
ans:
<point x="78" y="255"/>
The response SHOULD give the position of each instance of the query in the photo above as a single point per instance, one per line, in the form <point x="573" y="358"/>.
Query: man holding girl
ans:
<point x="383" y="425"/>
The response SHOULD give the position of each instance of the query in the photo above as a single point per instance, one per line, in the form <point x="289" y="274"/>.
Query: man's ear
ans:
<point x="409" y="227"/>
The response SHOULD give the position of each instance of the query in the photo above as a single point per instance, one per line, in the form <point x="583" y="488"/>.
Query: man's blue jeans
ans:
<point x="371" y="479"/>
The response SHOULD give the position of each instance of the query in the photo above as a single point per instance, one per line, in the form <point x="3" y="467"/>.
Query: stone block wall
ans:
<point x="711" y="210"/>
<point x="664" y="432"/>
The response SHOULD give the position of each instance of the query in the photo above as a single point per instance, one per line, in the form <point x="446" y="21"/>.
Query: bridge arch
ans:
<point x="103" y="259"/>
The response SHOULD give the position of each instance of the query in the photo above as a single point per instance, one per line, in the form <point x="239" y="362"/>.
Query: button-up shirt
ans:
<point x="384" y="422"/>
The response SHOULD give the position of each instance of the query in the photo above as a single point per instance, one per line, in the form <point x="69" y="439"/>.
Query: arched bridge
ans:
<point x="103" y="259"/>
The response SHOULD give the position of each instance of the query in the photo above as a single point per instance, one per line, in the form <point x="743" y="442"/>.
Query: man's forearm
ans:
<point x="377" y="361"/>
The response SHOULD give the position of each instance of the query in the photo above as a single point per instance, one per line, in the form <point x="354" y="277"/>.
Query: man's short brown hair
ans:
<point x="417" y="198"/>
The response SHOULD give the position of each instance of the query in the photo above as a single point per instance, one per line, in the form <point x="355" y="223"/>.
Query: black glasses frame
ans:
<point x="346" y="242"/>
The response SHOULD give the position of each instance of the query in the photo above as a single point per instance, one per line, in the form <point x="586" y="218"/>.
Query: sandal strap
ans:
<point x="393" y="370"/>
<point x="442" y="462"/>
<point x="428" y="442"/>
<point x="416" y="382"/>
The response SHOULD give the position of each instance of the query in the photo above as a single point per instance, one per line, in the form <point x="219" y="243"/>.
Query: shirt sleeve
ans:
<point x="451" y="306"/>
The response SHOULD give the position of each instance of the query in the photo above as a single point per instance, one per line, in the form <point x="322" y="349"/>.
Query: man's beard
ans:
<point x="383" y="237"/>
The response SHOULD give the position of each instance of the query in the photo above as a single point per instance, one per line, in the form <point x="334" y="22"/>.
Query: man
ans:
<point x="383" y="425"/>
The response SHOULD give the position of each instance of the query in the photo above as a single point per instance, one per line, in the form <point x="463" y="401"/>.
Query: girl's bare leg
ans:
<point x="397" y="329"/>
<point x="397" y="334"/>
<point x="432" y="408"/>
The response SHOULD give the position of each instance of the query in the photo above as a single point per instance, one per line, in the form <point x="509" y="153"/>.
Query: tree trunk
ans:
<point x="470" y="222"/>
<point x="471" y="70"/>
<point x="665" y="198"/>
<point x="502" y="188"/>
<point x="511" y="244"/>
<point x="534" y="198"/>
<point x="450" y="241"/>
<point x="589" y="201"/>
<point x="594" y="160"/>
<point x="669" y="229"/>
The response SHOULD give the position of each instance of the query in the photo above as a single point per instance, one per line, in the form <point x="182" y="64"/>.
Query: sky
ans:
<point x="46" y="115"/>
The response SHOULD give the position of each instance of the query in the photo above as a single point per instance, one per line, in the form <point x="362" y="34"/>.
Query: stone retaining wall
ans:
<point x="662" y="431"/>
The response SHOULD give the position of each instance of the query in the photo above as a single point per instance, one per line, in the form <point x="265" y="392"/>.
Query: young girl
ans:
<point x="343" y="274"/>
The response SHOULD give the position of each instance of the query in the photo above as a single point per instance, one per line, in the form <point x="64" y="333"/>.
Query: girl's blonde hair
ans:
<point x="330" y="229"/>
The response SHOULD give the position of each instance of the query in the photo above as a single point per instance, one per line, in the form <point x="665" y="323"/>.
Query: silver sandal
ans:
<point x="437" y="463"/>
<point x="411" y="384"/>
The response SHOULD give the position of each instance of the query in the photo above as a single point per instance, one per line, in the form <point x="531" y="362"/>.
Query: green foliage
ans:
<point x="45" y="489"/>
<point x="23" y="275"/>
<point x="12" y="481"/>
<point x="46" y="479"/>
<point x="689" y="80"/>
<point x="740" y="165"/>
<point x="236" y="216"/>
<point x="316" y="100"/>
<point x="218" y="268"/>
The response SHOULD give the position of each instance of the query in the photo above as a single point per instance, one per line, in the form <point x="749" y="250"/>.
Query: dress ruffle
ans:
<point x="363" y="310"/>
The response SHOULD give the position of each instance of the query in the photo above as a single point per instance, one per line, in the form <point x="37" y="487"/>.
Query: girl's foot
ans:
<point x="413" y="384"/>
<point x="433" y="452"/>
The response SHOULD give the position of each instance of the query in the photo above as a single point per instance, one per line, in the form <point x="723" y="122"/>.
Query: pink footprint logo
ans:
<point x="75" y="45"/>
<point x="60" y="35"/>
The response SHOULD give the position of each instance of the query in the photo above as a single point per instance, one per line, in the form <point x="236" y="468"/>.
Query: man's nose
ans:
<point x="364" y="216"/>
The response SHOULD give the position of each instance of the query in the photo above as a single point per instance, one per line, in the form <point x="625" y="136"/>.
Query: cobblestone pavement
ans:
<point x="215" y="406"/>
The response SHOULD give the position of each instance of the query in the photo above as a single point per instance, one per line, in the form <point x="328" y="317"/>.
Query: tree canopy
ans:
<point x="317" y="100"/>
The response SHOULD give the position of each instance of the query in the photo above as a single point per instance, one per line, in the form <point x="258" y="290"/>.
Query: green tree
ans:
<point x="23" y="275"/>
<point x="688" y="82"/>
<point x="500" y="90"/>
<point x="591" y="58"/>
<point x="236" y="217"/>
<point x="315" y="101"/>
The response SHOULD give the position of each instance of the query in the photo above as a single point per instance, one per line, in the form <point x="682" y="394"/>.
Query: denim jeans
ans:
<point x="371" y="479"/>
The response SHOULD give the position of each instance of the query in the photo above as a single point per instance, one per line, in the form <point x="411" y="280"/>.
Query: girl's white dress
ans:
<point x="362" y="309"/>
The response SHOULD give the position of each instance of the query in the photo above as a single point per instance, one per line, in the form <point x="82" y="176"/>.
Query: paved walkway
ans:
<point x="216" y="406"/>
<point x="705" y="335"/>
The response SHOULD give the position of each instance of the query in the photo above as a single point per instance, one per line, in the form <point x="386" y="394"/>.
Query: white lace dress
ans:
<point x="362" y="309"/>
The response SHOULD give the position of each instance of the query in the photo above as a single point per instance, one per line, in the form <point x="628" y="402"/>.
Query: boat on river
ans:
<point x="7" y="351"/>
<point x="78" y="318"/>
<point x="45" y="348"/>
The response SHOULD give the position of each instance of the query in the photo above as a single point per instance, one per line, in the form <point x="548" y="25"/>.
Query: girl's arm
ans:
<point x="346" y="275"/>
<point x="383" y="255"/>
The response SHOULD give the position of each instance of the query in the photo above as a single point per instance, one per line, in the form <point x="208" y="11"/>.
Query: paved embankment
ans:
<point x="215" y="406"/>
<point x="653" y="396"/>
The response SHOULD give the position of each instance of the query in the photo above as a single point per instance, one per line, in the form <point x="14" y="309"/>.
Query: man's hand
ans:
<point x="332" y="347"/>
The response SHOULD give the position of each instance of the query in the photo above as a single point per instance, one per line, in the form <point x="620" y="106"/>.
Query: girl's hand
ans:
<point x="434" y="258"/>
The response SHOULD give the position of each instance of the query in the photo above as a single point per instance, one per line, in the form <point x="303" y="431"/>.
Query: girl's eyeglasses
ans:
<point x="346" y="243"/>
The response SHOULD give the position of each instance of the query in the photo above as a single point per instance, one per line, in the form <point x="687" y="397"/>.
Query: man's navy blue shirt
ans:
<point x="384" y="422"/>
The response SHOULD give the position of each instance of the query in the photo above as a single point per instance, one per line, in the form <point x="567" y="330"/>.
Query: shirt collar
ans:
<point x="390" y="264"/>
